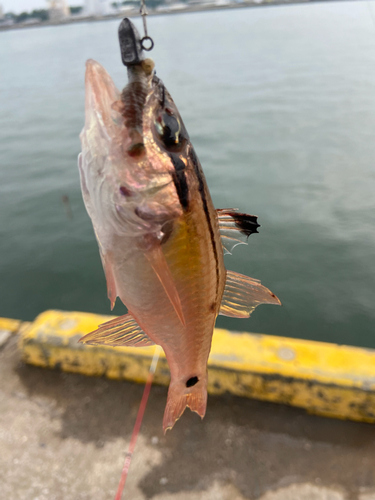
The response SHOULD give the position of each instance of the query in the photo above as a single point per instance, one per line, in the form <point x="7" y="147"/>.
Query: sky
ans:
<point x="18" y="6"/>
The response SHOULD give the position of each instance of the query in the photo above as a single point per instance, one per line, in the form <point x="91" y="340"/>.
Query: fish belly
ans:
<point x="190" y="259"/>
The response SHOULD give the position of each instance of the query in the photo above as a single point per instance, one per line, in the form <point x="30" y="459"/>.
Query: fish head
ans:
<point x="126" y="167"/>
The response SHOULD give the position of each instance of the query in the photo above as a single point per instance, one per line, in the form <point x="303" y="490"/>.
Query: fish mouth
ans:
<point x="101" y="94"/>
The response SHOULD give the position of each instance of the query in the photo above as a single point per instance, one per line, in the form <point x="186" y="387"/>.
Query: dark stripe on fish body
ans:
<point x="180" y="181"/>
<point x="202" y="191"/>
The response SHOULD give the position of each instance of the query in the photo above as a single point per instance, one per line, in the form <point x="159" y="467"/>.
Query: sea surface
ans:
<point x="280" y="105"/>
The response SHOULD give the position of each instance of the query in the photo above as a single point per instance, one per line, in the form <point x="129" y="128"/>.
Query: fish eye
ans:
<point x="168" y="128"/>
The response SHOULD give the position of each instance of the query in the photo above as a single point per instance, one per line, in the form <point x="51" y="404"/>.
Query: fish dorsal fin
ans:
<point x="121" y="331"/>
<point x="235" y="227"/>
<point x="243" y="294"/>
<point x="159" y="264"/>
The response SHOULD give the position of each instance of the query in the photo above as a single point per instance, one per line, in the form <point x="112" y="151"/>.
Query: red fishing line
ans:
<point x="137" y="425"/>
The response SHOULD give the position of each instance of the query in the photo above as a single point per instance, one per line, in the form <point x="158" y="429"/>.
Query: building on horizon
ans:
<point x="98" y="7"/>
<point x="58" y="10"/>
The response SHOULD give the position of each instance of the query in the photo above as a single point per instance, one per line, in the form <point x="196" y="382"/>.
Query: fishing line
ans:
<point x="371" y="13"/>
<point x="138" y="423"/>
<point x="131" y="47"/>
<point x="146" y="38"/>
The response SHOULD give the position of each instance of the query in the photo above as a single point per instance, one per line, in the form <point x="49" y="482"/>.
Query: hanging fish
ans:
<point x="160" y="238"/>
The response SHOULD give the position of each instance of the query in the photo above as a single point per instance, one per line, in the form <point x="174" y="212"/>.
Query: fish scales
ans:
<point x="160" y="238"/>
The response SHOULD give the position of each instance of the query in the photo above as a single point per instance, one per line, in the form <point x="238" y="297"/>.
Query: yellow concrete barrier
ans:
<point x="10" y="325"/>
<point x="325" y="379"/>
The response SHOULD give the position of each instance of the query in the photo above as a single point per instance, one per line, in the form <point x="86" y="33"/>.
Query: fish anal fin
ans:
<point x="110" y="278"/>
<point x="179" y="399"/>
<point x="159" y="264"/>
<point x="243" y="294"/>
<point x="121" y="331"/>
<point x="235" y="227"/>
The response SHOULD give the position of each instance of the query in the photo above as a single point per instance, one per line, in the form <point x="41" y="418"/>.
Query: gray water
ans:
<point x="280" y="105"/>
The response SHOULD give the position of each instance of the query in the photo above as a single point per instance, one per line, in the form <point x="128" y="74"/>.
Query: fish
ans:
<point x="161" y="241"/>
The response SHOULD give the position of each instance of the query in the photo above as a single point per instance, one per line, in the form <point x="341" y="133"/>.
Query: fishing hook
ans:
<point x="144" y="13"/>
<point x="149" y="39"/>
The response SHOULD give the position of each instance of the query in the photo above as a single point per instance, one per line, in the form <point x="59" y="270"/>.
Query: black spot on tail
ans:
<point x="192" y="381"/>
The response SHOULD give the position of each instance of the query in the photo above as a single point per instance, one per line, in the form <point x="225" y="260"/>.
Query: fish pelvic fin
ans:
<point x="235" y="227"/>
<point x="159" y="264"/>
<point x="109" y="276"/>
<point x="181" y="397"/>
<point x="243" y="294"/>
<point x="121" y="331"/>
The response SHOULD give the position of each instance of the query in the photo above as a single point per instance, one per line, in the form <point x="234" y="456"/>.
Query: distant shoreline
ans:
<point x="153" y="12"/>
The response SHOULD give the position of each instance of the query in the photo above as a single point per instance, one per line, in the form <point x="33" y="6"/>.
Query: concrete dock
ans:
<point x="64" y="436"/>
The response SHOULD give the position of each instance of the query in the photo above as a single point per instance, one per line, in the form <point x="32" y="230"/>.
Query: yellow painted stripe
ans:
<point x="11" y="325"/>
<point x="327" y="379"/>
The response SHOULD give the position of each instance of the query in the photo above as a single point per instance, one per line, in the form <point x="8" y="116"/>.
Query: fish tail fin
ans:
<point x="180" y="397"/>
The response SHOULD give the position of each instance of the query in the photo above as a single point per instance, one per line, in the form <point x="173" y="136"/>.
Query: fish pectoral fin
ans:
<point x="235" y="227"/>
<point x="243" y="294"/>
<point x="110" y="278"/>
<point x="121" y="331"/>
<point x="156" y="258"/>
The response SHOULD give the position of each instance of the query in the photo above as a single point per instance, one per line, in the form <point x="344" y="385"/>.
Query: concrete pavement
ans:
<point x="64" y="437"/>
